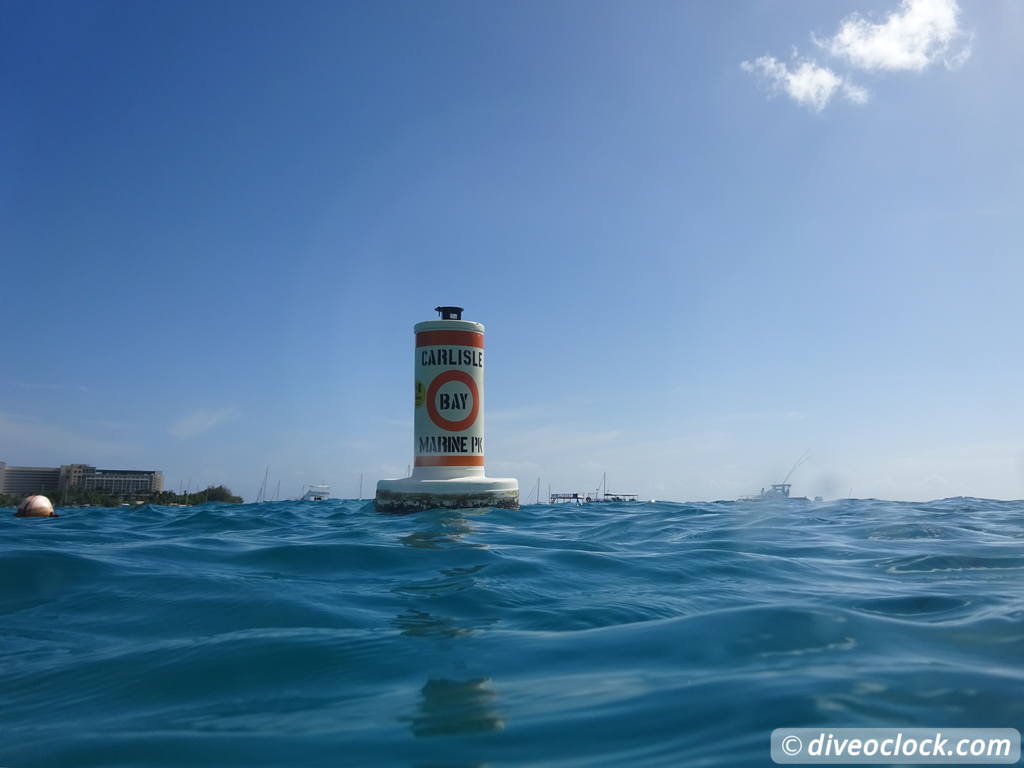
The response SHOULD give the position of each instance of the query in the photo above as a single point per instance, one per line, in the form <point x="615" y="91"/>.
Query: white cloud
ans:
<point x="766" y="417"/>
<point x="856" y="93"/>
<point x="917" y="35"/>
<point x="806" y="83"/>
<point x="25" y="440"/>
<point x="199" y="421"/>
<point x="920" y="33"/>
<point x="51" y="386"/>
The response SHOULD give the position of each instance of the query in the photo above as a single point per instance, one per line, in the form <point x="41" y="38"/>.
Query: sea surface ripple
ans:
<point x="658" y="634"/>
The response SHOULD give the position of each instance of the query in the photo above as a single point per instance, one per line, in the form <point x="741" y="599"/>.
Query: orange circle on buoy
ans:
<point x="440" y="380"/>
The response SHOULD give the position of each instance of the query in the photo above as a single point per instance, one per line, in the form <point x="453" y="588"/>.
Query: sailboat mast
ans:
<point x="263" y="488"/>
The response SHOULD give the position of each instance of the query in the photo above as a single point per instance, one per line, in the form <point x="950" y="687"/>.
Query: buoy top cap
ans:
<point x="449" y="325"/>
<point x="449" y="313"/>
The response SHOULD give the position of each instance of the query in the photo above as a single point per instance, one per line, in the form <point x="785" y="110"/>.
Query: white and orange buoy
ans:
<point x="35" y="506"/>
<point x="448" y="431"/>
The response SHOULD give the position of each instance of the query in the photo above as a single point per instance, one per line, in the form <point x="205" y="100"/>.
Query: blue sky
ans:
<point x="703" y="238"/>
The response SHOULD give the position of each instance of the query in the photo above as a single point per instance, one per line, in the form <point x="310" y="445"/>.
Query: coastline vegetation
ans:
<point x="77" y="497"/>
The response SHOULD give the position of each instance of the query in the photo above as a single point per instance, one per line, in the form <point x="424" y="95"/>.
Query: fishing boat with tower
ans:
<point x="780" y="491"/>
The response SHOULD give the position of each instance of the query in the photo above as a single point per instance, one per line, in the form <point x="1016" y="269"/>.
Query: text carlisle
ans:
<point x="449" y="356"/>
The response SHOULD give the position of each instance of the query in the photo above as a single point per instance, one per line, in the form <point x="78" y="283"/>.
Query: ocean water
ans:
<point x="660" y="634"/>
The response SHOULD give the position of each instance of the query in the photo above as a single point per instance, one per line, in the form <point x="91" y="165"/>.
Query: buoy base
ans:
<point x="415" y="495"/>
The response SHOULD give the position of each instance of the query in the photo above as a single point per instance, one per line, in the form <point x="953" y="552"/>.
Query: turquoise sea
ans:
<point x="659" y="634"/>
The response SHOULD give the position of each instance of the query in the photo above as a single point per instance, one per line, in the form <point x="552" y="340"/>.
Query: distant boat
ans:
<point x="317" y="493"/>
<point x="607" y="496"/>
<point x="775" y="491"/>
<point x="779" y="491"/>
<point x="600" y="495"/>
